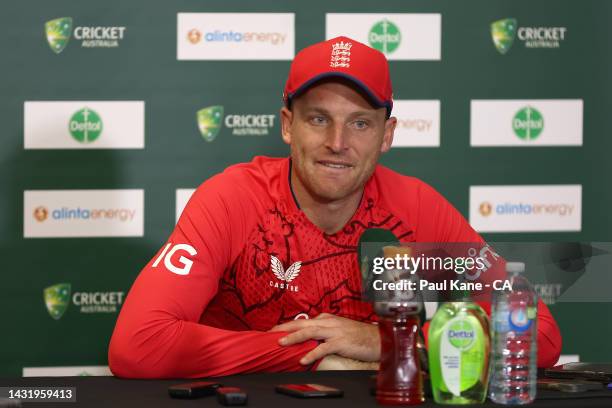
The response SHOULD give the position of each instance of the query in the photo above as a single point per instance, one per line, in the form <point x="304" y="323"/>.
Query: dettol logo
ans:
<point x="85" y="125"/>
<point x="528" y="123"/>
<point x="385" y="37"/>
<point x="461" y="334"/>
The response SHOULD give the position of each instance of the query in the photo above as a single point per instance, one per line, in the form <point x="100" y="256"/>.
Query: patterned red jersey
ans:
<point x="244" y="258"/>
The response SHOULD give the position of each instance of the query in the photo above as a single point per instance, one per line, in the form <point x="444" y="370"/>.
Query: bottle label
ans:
<point x="521" y="318"/>
<point x="462" y="353"/>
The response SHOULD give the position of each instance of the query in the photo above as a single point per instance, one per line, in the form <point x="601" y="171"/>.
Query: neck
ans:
<point x="329" y="215"/>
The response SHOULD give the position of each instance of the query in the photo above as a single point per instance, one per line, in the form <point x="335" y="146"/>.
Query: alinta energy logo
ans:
<point x="194" y="36"/>
<point x="41" y="214"/>
<point x="485" y="208"/>
<point x="211" y="120"/>
<point x="385" y="37"/>
<point x="58" y="298"/>
<point x="85" y="125"/>
<point x="528" y="123"/>
<point x="504" y="31"/>
<point x="60" y="30"/>
<point x="230" y="36"/>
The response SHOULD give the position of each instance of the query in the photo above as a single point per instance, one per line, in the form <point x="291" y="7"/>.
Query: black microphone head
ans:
<point x="380" y="242"/>
<point x="371" y="244"/>
<point x="372" y="241"/>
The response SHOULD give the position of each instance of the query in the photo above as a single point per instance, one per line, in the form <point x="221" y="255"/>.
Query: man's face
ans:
<point x="336" y="137"/>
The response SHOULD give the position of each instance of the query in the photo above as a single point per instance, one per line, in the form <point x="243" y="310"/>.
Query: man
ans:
<point x="260" y="273"/>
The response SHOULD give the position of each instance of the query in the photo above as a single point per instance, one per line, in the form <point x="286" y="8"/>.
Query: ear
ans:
<point x="390" y="125"/>
<point x="286" y="121"/>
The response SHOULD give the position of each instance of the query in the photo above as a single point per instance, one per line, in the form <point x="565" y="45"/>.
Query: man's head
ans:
<point x="338" y="100"/>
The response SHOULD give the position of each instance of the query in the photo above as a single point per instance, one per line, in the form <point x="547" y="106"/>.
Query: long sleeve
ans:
<point x="158" y="334"/>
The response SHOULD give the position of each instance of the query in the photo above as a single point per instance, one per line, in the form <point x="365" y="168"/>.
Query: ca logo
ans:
<point x="184" y="265"/>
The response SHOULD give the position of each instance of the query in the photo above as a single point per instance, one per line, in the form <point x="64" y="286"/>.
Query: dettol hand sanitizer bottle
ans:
<point x="459" y="349"/>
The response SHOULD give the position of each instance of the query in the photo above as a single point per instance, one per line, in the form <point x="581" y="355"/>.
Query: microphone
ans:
<point x="382" y="243"/>
<point x="370" y="246"/>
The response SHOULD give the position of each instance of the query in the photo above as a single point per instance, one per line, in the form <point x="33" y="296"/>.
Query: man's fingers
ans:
<point x="324" y="319"/>
<point x="292" y="325"/>
<point x="308" y="333"/>
<point x="317" y="353"/>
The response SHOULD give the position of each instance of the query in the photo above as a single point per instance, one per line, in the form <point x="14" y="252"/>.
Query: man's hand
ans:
<point x="343" y="337"/>
<point x="335" y="362"/>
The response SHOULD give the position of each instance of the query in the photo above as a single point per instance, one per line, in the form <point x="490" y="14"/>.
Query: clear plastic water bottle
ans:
<point x="514" y="330"/>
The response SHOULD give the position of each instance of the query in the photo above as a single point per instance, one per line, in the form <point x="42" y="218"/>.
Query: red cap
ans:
<point x="345" y="58"/>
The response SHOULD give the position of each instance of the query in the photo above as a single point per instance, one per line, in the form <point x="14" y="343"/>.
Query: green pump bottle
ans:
<point x="459" y="347"/>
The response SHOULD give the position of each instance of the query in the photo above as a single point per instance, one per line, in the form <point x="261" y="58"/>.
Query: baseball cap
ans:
<point x="346" y="58"/>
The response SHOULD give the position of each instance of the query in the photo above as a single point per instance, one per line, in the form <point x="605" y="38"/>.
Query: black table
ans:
<point x="116" y="393"/>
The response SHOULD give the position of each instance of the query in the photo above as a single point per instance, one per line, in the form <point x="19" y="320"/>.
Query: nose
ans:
<point x="337" y="138"/>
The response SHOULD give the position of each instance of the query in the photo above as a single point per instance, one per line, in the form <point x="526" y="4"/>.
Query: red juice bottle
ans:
<point x="399" y="380"/>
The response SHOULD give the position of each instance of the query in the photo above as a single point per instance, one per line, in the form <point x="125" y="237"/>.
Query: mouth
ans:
<point x="335" y="164"/>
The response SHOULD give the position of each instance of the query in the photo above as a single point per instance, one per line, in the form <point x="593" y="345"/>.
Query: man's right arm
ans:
<point x="158" y="335"/>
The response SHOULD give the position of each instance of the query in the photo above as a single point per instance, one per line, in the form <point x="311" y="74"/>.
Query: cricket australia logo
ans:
<point x="285" y="276"/>
<point x="341" y="55"/>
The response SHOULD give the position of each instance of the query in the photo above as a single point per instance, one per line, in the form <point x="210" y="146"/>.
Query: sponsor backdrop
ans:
<point x="113" y="112"/>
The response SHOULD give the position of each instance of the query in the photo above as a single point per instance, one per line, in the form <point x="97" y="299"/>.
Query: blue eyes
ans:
<point x="356" y="124"/>
<point x="360" y="124"/>
<point x="319" y="120"/>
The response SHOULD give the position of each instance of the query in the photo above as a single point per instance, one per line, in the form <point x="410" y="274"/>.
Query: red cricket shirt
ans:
<point x="202" y="306"/>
